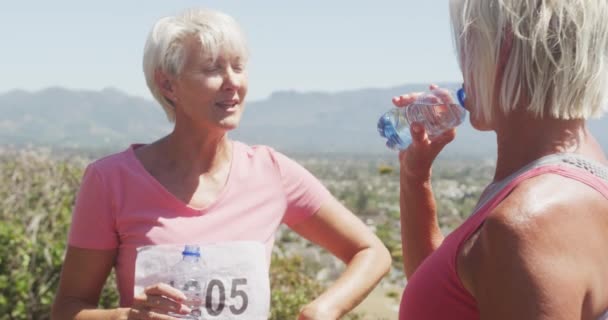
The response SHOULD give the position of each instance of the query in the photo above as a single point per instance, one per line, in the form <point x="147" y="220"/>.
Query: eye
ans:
<point x="239" y="67"/>
<point x="211" y="69"/>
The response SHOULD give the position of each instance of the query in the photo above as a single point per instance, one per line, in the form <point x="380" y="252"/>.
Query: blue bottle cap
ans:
<point x="387" y="129"/>
<point x="461" y="95"/>
<point x="192" y="250"/>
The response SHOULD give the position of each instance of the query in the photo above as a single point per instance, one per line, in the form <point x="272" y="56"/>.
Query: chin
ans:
<point x="479" y="124"/>
<point x="229" y="123"/>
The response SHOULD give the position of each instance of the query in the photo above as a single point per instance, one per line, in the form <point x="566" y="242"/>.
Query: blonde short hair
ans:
<point x="165" y="48"/>
<point x="558" y="61"/>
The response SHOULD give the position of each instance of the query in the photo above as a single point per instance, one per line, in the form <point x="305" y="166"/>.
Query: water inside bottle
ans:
<point x="193" y="291"/>
<point x="188" y="277"/>
<point x="390" y="126"/>
<point x="436" y="118"/>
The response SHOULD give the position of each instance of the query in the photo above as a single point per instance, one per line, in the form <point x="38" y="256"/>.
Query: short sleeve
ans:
<point x="93" y="223"/>
<point x="303" y="191"/>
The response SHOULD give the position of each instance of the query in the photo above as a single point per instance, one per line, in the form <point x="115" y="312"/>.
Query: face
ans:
<point x="474" y="106"/>
<point x="470" y="103"/>
<point x="210" y="92"/>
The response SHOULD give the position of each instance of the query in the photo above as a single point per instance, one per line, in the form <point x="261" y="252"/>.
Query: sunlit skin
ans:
<point x="541" y="253"/>
<point x="193" y="164"/>
<point x="475" y="118"/>
<point x="210" y="94"/>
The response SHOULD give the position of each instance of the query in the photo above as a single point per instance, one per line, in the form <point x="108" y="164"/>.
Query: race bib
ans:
<point x="235" y="285"/>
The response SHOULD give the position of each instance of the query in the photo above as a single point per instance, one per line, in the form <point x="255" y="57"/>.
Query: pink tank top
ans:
<point x="435" y="291"/>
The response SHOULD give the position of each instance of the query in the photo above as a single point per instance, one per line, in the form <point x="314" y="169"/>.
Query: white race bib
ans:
<point x="237" y="285"/>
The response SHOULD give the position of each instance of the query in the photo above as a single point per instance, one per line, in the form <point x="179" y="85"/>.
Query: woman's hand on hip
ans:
<point x="314" y="311"/>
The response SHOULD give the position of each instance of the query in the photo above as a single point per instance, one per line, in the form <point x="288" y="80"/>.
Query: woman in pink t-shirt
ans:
<point x="536" y="246"/>
<point x="197" y="186"/>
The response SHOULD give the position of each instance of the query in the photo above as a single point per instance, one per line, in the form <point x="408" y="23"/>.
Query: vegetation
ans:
<point x="38" y="189"/>
<point x="36" y="196"/>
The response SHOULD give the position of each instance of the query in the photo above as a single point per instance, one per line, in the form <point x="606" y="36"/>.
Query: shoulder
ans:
<point x="295" y="177"/>
<point x="112" y="161"/>
<point x="546" y="209"/>
<point x="544" y="239"/>
<point x="255" y="150"/>
<point x="547" y="214"/>
<point x="263" y="153"/>
<point x="108" y="171"/>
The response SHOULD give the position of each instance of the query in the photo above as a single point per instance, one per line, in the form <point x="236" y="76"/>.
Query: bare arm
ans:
<point x="420" y="233"/>
<point x="517" y="279"/>
<point x="83" y="275"/>
<point x="539" y="254"/>
<point x="336" y="229"/>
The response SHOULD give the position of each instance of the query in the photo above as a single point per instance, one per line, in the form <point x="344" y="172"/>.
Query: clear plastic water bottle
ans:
<point x="428" y="109"/>
<point x="188" y="276"/>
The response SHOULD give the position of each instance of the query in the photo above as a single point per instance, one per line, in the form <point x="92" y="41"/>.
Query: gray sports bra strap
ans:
<point x="591" y="166"/>
<point x="571" y="159"/>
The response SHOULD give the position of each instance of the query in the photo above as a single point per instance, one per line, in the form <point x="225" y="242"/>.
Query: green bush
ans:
<point x="36" y="198"/>
<point x="291" y="287"/>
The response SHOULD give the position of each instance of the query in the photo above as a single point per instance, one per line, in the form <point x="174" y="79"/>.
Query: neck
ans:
<point x="197" y="150"/>
<point x="522" y="139"/>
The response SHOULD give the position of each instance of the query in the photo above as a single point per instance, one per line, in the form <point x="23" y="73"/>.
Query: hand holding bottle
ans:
<point x="416" y="159"/>
<point x="188" y="276"/>
<point x="156" y="302"/>
<point x="436" y="110"/>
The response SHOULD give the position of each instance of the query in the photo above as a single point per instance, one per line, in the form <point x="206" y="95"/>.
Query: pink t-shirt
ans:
<point x="435" y="291"/>
<point x="120" y="205"/>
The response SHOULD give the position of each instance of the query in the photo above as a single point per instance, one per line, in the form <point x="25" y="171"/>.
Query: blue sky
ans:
<point x="311" y="45"/>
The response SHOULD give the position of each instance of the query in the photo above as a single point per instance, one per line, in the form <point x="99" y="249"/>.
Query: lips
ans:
<point x="227" y="104"/>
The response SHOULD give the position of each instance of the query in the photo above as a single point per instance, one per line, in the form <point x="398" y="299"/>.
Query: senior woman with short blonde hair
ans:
<point x="196" y="186"/>
<point x="536" y="246"/>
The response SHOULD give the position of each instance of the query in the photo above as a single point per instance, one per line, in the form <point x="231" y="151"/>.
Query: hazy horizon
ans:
<point x="313" y="46"/>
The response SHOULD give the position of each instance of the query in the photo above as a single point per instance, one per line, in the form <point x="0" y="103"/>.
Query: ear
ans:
<point x="506" y="45"/>
<point x="165" y="84"/>
<point x="504" y="54"/>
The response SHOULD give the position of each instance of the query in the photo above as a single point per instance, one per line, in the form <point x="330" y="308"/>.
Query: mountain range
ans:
<point x="291" y="121"/>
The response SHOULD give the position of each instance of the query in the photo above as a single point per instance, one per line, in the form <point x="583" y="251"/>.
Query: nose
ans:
<point x="232" y="79"/>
